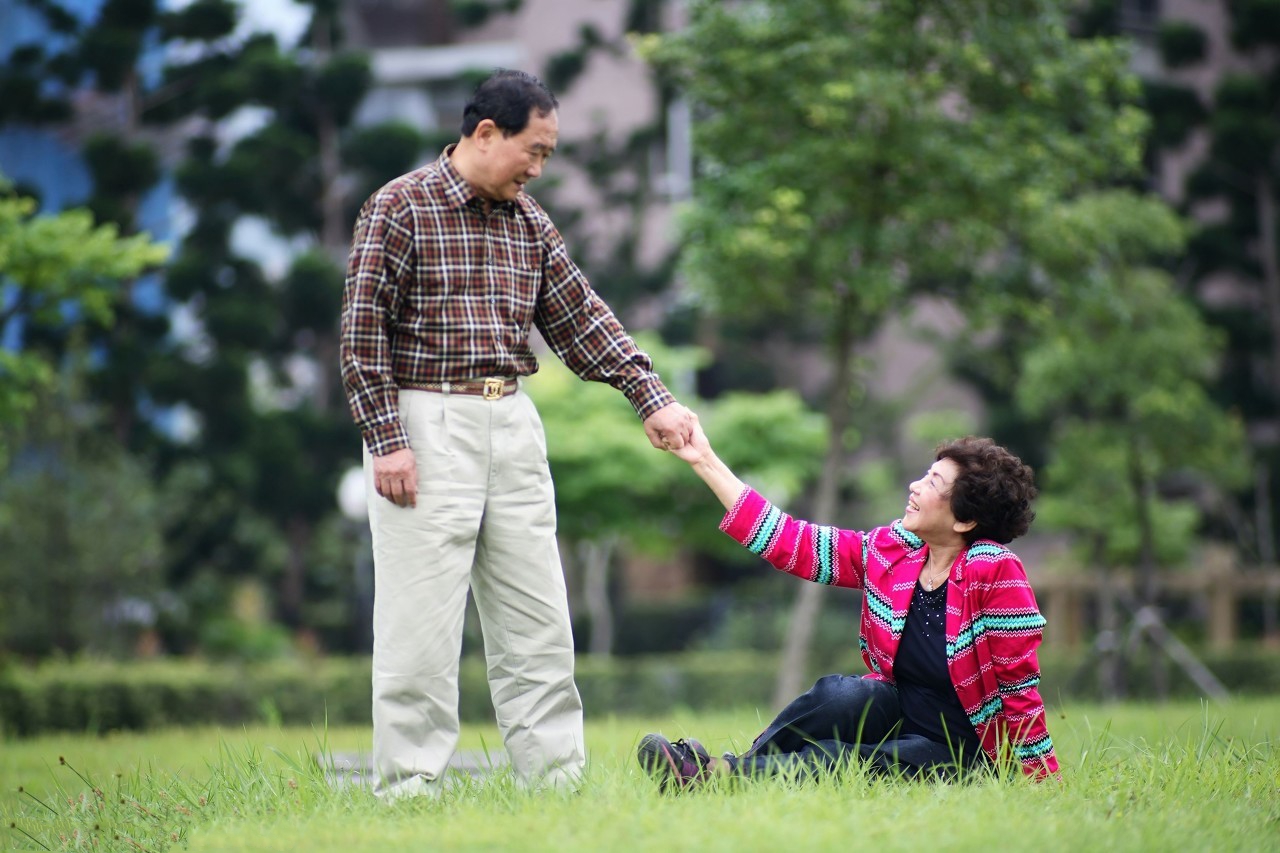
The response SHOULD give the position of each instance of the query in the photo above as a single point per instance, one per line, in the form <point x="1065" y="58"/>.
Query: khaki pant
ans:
<point x="485" y="520"/>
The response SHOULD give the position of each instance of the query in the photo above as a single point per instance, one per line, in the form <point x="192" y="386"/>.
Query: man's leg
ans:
<point x="520" y="594"/>
<point x="422" y="562"/>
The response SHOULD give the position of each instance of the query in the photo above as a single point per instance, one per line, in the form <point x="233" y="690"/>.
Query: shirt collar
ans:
<point x="457" y="191"/>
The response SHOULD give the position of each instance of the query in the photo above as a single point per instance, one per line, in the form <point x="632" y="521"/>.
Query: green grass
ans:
<point x="1180" y="776"/>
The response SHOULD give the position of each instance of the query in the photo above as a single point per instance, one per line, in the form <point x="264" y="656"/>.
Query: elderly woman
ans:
<point x="949" y="629"/>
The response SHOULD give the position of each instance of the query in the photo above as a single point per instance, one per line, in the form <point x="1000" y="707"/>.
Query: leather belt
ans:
<point x="492" y="388"/>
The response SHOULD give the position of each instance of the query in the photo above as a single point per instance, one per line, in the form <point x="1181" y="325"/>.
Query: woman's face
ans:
<point x="928" y="514"/>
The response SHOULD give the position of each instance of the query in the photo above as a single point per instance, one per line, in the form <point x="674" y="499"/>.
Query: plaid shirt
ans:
<point x="438" y="291"/>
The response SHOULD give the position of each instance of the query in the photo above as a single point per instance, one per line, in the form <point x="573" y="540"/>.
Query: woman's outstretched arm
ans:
<point x="719" y="478"/>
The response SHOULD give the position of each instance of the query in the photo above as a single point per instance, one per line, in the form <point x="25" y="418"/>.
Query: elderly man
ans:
<point x="450" y="267"/>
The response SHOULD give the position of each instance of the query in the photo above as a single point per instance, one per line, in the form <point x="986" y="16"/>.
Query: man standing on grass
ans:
<point x="450" y="267"/>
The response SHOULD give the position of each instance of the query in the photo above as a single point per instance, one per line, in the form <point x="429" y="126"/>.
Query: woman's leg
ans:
<point x="916" y="755"/>
<point x="814" y="729"/>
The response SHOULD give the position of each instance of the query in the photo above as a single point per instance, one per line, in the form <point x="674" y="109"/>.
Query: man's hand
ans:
<point x="395" y="477"/>
<point x="669" y="427"/>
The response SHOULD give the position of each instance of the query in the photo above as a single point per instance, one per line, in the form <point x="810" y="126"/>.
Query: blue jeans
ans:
<point x="841" y="718"/>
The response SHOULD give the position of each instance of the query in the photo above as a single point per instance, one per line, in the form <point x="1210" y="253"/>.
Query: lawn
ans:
<point x="1181" y="776"/>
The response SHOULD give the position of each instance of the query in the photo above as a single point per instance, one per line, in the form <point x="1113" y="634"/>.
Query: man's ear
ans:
<point x="485" y="133"/>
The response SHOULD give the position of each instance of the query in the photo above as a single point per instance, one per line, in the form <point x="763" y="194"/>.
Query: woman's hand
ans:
<point x="698" y="453"/>
<point x="697" y="447"/>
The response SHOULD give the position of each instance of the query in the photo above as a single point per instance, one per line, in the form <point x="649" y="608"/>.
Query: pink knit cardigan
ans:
<point x="993" y="624"/>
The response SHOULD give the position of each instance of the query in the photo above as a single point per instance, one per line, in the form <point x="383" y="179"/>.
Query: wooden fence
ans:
<point x="1215" y="591"/>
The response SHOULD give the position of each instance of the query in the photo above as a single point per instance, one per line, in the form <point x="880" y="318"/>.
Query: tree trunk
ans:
<point x="1266" y="553"/>
<point x="335" y="231"/>
<point x="121" y="401"/>
<point x="1142" y="491"/>
<point x="293" y="583"/>
<point x="1111" y="671"/>
<point x="808" y="604"/>
<point x="1269" y="256"/>
<point x="595" y="558"/>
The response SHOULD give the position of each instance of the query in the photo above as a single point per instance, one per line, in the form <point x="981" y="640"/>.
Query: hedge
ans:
<point x="99" y="696"/>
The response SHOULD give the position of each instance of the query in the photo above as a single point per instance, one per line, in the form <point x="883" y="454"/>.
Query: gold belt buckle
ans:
<point x="493" y="389"/>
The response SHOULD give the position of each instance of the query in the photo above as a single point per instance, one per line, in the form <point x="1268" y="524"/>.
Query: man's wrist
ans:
<point x="386" y="438"/>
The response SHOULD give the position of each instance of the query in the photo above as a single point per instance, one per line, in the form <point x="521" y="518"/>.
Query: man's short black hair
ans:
<point x="508" y="98"/>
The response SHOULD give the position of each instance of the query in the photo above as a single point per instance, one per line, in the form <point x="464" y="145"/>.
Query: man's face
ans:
<point x="513" y="161"/>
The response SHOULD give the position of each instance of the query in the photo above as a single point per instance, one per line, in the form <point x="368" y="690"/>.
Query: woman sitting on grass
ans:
<point x="949" y="629"/>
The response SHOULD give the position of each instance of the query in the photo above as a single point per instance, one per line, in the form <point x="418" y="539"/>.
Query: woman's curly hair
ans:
<point x="994" y="488"/>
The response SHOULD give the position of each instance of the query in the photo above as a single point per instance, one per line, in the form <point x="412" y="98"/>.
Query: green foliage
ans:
<point x="65" y="257"/>
<point x="1112" y="228"/>
<point x="1254" y="23"/>
<point x="770" y="439"/>
<point x="616" y="483"/>
<point x="1175" y="112"/>
<point x="120" y="167"/>
<point x="80" y="535"/>
<point x="1089" y="492"/>
<point x="341" y="84"/>
<point x="949" y="131"/>
<point x="1244" y="125"/>
<point x="1181" y="43"/>
<point x="202" y="20"/>
<point x="608" y="477"/>
<point x="474" y="13"/>
<point x="246" y="488"/>
<point x="1121" y="363"/>
<point x="60" y="271"/>
<point x="376" y="153"/>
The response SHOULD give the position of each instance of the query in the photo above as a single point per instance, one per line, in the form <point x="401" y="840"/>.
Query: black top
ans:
<point x="928" y="698"/>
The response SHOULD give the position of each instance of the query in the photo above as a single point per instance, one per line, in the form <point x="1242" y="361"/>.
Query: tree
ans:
<point x="239" y="411"/>
<point x="93" y="80"/>
<point x="80" y="530"/>
<point x="1231" y="101"/>
<point x="1131" y="410"/>
<point x="262" y="385"/>
<point x="77" y="521"/>
<point x="856" y="154"/>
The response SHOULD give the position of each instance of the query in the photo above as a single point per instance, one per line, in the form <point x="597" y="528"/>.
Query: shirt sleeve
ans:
<point x="1014" y="626"/>
<point x="813" y="552"/>
<point x="582" y="330"/>
<point x="380" y="259"/>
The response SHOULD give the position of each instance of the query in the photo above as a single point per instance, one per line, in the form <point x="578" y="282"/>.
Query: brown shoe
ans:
<point x="680" y="764"/>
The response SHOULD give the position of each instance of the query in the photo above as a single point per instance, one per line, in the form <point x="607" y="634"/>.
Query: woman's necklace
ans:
<point x="932" y="579"/>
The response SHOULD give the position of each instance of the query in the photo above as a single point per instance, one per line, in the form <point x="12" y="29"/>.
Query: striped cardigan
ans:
<point x="993" y="624"/>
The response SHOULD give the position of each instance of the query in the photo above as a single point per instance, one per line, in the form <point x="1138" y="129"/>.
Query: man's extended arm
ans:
<point x="590" y="340"/>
